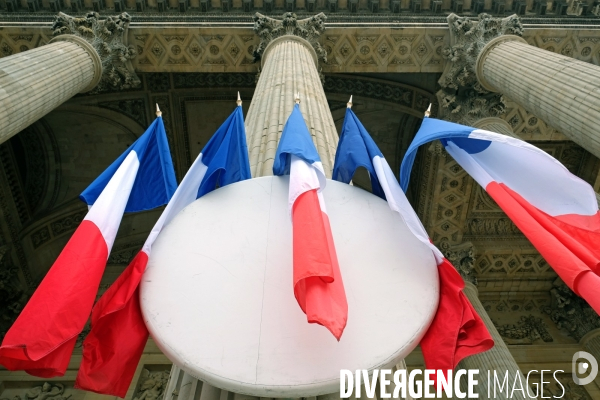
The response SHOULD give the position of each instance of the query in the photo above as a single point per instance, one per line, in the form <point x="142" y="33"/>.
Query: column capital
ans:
<point x="308" y="29"/>
<point x="462" y="256"/>
<point x="462" y="98"/>
<point x="570" y="312"/>
<point x="108" y="38"/>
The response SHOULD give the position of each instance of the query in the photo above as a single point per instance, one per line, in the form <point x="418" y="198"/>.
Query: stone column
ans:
<point x="289" y="53"/>
<point x="86" y="54"/>
<point x="498" y="358"/>
<point x="562" y="91"/>
<point x="495" y="124"/>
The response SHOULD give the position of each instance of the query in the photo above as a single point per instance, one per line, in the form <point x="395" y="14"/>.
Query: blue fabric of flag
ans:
<point x="296" y="140"/>
<point x="226" y="155"/>
<point x="356" y="149"/>
<point x="155" y="181"/>
<point x="433" y="129"/>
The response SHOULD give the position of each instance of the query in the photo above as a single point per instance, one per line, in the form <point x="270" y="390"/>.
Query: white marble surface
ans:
<point x="217" y="296"/>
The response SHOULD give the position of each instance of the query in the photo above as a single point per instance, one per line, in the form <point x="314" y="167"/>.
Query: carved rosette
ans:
<point x="108" y="38"/>
<point x="462" y="98"/>
<point x="309" y="29"/>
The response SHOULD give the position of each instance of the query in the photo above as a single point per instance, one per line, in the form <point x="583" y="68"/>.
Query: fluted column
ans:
<point x="289" y="53"/>
<point x="37" y="81"/>
<point x="498" y="358"/>
<point x="85" y="54"/>
<point x="562" y="91"/>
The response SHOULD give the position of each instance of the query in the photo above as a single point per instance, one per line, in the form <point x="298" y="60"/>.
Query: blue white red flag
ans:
<point x="114" y="346"/>
<point x="42" y="338"/>
<point x="555" y="210"/>
<point x="456" y="331"/>
<point x="318" y="285"/>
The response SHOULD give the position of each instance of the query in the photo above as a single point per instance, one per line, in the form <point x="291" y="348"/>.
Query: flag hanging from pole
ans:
<point x="456" y="331"/>
<point x="42" y="338"/>
<point x="318" y="285"/>
<point x="114" y="346"/>
<point x="555" y="210"/>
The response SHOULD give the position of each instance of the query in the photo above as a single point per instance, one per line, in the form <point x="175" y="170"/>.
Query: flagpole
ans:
<point x="349" y="103"/>
<point x="158" y="112"/>
<point x="428" y="111"/>
<point x="239" y="100"/>
<point x="297" y="99"/>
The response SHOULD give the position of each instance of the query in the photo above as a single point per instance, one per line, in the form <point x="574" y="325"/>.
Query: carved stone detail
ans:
<point x="107" y="37"/>
<point x="151" y="385"/>
<point x="570" y="312"/>
<point x="123" y="254"/>
<point x="310" y="29"/>
<point x="462" y="256"/>
<point x="528" y="330"/>
<point x="48" y="390"/>
<point x="462" y="98"/>
<point x="133" y="108"/>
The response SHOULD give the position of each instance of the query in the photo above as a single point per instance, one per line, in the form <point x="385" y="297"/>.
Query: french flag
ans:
<point x="114" y="346"/>
<point x="456" y="331"/>
<point x="42" y="338"/>
<point x="555" y="210"/>
<point x="318" y="285"/>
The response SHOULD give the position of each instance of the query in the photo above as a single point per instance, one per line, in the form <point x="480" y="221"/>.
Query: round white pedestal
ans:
<point x="218" y="300"/>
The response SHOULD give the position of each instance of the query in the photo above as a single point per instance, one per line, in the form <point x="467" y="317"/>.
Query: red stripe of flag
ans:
<point x="569" y="243"/>
<point x="114" y="346"/>
<point x="42" y="338"/>
<point x="318" y="285"/>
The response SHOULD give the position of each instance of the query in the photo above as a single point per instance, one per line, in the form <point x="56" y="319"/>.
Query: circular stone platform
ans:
<point x="217" y="296"/>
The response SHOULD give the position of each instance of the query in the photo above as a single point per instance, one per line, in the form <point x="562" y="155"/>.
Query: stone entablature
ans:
<point x="195" y="47"/>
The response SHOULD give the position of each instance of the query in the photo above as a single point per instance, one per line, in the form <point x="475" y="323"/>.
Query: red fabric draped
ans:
<point x="42" y="338"/>
<point x="318" y="285"/>
<point x="569" y="243"/>
<point x="457" y="331"/>
<point x="114" y="346"/>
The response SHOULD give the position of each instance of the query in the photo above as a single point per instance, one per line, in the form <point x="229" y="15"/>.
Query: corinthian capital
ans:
<point x="462" y="98"/>
<point x="462" y="256"/>
<point x="108" y="38"/>
<point x="309" y="29"/>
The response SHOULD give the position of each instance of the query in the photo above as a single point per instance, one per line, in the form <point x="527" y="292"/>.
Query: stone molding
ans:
<point x="309" y="29"/>
<point x="483" y="55"/>
<point x="108" y="38"/>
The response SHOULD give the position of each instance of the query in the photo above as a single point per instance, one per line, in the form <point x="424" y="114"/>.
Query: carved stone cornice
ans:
<point x="526" y="331"/>
<point x="309" y="29"/>
<point x="462" y="98"/>
<point x="108" y="39"/>
<point x="462" y="256"/>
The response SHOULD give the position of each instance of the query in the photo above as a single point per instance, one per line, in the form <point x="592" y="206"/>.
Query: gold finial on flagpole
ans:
<point x="349" y="103"/>
<point x="428" y="112"/>
<point x="297" y="99"/>
<point x="239" y="100"/>
<point x="158" y="112"/>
